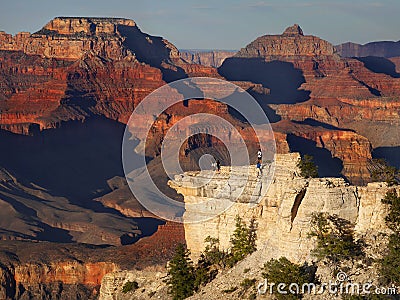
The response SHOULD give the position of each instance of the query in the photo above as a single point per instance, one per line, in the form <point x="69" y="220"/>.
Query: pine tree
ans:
<point x="243" y="240"/>
<point x="181" y="274"/>
<point x="308" y="169"/>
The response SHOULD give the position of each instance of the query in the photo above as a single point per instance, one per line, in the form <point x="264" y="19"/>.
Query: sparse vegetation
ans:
<point x="392" y="219"/>
<point x="390" y="263"/>
<point x="243" y="240"/>
<point x="282" y="271"/>
<point x="308" y="168"/>
<point x="382" y="171"/>
<point x="130" y="286"/>
<point x="181" y="278"/>
<point x="184" y="278"/>
<point x="335" y="238"/>
<point x="247" y="283"/>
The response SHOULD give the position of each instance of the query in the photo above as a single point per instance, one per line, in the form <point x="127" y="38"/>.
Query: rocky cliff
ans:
<point x="75" y="67"/>
<point x="284" y="212"/>
<point x="283" y="215"/>
<point x="69" y="38"/>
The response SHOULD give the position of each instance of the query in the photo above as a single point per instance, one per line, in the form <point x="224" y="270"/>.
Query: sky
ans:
<point x="221" y="24"/>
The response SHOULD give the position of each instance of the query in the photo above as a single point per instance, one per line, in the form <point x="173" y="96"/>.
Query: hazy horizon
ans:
<point x="226" y="25"/>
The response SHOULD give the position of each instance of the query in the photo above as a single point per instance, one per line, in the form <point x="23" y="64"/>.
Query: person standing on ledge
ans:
<point x="259" y="169"/>
<point x="218" y="165"/>
<point x="259" y="161"/>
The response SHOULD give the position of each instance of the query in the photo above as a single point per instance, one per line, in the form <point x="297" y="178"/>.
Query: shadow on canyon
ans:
<point x="327" y="165"/>
<point x="73" y="161"/>
<point x="282" y="78"/>
<point x="379" y="65"/>
<point x="390" y="154"/>
<point x="151" y="50"/>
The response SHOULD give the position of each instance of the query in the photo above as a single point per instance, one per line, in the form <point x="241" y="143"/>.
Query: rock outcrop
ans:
<point x="283" y="213"/>
<point x="69" y="38"/>
<point x="291" y="43"/>
<point x="76" y="271"/>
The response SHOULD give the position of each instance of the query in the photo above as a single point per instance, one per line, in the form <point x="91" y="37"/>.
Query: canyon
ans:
<point x="66" y="94"/>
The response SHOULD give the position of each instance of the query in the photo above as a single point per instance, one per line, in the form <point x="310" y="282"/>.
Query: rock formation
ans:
<point x="327" y="92"/>
<point x="291" y="43"/>
<point x="284" y="212"/>
<point x="57" y="73"/>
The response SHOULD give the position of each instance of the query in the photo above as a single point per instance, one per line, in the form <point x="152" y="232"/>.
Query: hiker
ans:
<point x="259" y="170"/>
<point x="259" y="155"/>
<point x="218" y="165"/>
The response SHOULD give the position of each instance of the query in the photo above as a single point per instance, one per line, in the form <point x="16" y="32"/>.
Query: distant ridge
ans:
<point x="381" y="48"/>
<point x="206" y="57"/>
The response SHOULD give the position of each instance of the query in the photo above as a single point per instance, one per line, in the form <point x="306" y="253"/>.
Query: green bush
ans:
<point x="247" y="283"/>
<point x="335" y="238"/>
<point x="307" y="167"/>
<point x="283" y="271"/>
<point x="181" y="277"/>
<point x="212" y="254"/>
<point x="130" y="286"/>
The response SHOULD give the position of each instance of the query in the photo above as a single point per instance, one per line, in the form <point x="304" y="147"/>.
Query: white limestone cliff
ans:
<point x="283" y="214"/>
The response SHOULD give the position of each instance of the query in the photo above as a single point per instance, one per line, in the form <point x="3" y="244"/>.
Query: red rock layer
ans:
<point x="65" y="272"/>
<point x="70" y="38"/>
<point x="351" y="148"/>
